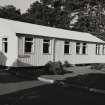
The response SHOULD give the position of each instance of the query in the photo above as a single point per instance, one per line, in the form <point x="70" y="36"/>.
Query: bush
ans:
<point x="98" y="66"/>
<point x="54" y="68"/>
<point x="67" y="64"/>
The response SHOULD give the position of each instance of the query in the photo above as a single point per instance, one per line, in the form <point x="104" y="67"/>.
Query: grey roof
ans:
<point x="39" y="30"/>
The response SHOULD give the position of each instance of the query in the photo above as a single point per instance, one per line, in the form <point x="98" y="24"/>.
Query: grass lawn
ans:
<point x="6" y="77"/>
<point x="90" y="80"/>
<point x="53" y="95"/>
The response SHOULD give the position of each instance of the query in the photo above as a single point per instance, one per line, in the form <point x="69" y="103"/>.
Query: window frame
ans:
<point x="79" y="46"/>
<point x="48" y="41"/>
<point x="32" y="46"/>
<point x="67" y="43"/>
<point x="103" y="50"/>
<point x="4" y="48"/>
<point x="84" y="46"/>
<point x="98" y="46"/>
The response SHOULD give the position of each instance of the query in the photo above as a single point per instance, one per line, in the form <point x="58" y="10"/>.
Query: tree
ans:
<point x="10" y="12"/>
<point x="48" y="13"/>
<point x="91" y="17"/>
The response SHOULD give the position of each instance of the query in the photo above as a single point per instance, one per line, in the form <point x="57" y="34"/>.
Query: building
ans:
<point x="24" y="44"/>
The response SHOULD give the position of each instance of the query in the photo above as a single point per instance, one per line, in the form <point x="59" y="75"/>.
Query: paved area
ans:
<point x="75" y="72"/>
<point x="6" y="88"/>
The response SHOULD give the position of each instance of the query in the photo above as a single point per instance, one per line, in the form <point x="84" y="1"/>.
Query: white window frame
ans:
<point x="103" y="50"/>
<point x="98" y="49"/>
<point x="84" y="46"/>
<point x="47" y="41"/>
<point x="32" y="48"/>
<point x="79" y="45"/>
<point x="67" y="43"/>
<point x="3" y="45"/>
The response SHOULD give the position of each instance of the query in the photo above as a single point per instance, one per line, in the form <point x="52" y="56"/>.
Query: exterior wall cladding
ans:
<point x="37" y="58"/>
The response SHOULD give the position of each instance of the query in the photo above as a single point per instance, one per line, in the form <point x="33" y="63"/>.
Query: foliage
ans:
<point x="10" y="12"/>
<point x="91" y="17"/>
<point x="60" y="13"/>
<point x="67" y="64"/>
<point x="42" y="13"/>
<point x="98" y="66"/>
<point x="54" y="67"/>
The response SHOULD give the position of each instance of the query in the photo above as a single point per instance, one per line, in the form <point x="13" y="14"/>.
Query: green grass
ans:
<point x="90" y="80"/>
<point x="53" y="95"/>
<point x="7" y="77"/>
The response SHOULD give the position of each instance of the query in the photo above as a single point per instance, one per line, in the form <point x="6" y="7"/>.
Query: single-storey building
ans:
<point x="25" y="44"/>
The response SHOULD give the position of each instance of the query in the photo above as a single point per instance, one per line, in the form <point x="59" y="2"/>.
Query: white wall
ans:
<point x="37" y="58"/>
<point x="91" y="57"/>
<point x="12" y="53"/>
<point x="74" y="58"/>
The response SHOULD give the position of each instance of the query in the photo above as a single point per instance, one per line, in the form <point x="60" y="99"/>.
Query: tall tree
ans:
<point x="91" y="17"/>
<point x="48" y="12"/>
<point x="10" y="12"/>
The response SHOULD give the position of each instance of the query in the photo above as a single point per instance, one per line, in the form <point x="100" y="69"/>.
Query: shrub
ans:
<point x="98" y="66"/>
<point x="67" y="64"/>
<point x="54" y="67"/>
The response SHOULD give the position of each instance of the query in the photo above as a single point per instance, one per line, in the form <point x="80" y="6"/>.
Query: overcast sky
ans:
<point x="19" y="4"/>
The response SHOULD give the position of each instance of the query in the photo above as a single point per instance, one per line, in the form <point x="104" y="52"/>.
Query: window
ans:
<point x="5" y="45"/>
<point x="103" y="50"/>
<point x="67" y="47"/>
<point x="28" y="44"/>
<point x="78" y="46"/>
<point x="81" y="48"/>
<point x="46" y="46"/>
<point x="84" y="48"/>
<point x="97" y="49"/>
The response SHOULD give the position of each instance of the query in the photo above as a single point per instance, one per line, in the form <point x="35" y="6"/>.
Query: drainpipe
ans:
<point x="54" y="44"/>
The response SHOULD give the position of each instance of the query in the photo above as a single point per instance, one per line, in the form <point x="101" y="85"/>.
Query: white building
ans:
<point x="24" y="44"/>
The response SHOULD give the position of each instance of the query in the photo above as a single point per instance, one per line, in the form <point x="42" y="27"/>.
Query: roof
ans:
<point x="39" y="30"/>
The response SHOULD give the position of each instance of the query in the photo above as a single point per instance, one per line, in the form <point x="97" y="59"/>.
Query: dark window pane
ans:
<point x="78" y="49"/>
<point x="46" y="44"/>
<point x="28" y="44"/>
<point x="4" y="39"/>
<point x="84" y="50"/>
<point x="78" y="44"/>
<point x="67" y="42"/>
<point x="28" y="39"/>
<point x="45" y="40"/>
<point x="45" y="48"/>
<point x="84" y="44"/>
<point x="5" y="47"/>
<point x="28" y="47"/>
<point x="97" y="49"/>
<point x="66" y="49"/>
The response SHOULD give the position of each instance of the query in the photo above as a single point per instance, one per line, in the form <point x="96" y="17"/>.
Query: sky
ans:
<point x="23" y="5"/>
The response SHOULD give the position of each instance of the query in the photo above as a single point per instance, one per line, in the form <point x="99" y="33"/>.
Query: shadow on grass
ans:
<point x="89" y="80"/>
<point x="7" y="77"/>
<point x="53" y="95"/>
